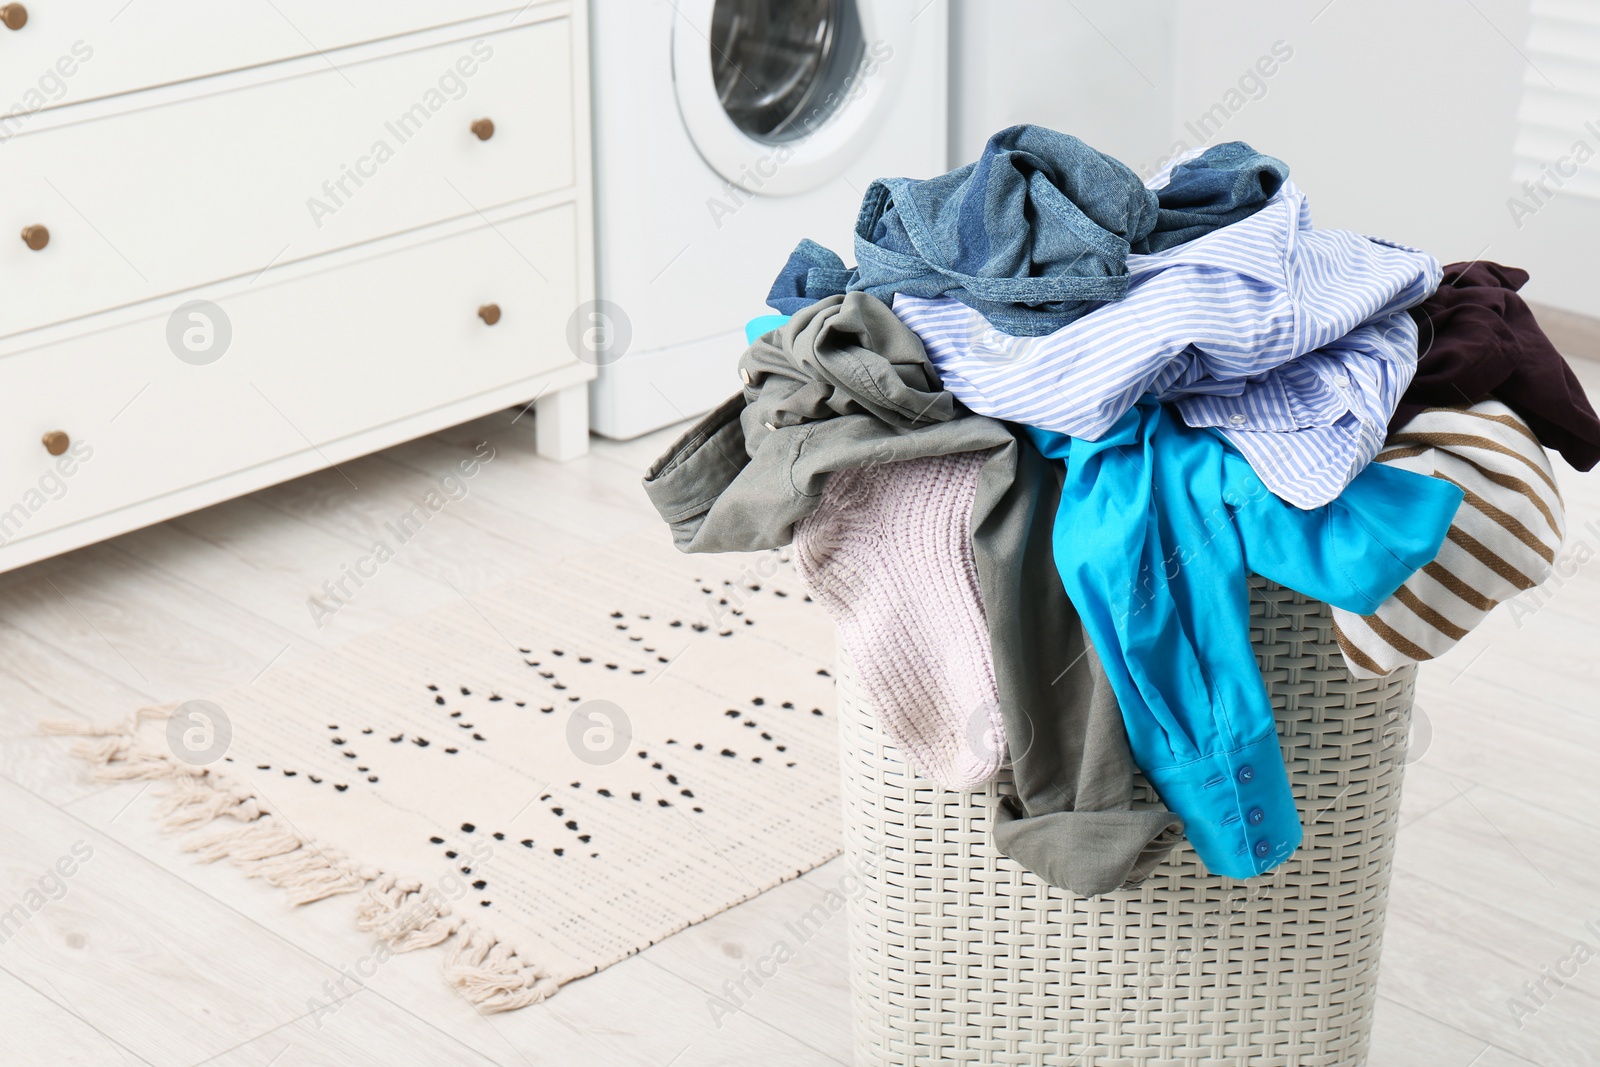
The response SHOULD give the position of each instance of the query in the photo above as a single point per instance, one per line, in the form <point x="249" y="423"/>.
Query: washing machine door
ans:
<point x="780" y="95"/>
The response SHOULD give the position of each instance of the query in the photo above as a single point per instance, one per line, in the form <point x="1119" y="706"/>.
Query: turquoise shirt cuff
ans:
<point x="1239" y="812"/>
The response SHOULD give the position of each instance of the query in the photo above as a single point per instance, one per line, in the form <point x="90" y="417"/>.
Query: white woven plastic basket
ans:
<point x="958" y="956"/>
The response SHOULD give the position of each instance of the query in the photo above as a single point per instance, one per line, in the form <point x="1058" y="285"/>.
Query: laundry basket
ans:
<point x="959" y="956"/>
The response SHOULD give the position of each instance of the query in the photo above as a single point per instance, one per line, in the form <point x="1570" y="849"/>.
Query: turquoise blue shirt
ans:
<point x="1158" y="528"/>
<point x="762" y="325"/>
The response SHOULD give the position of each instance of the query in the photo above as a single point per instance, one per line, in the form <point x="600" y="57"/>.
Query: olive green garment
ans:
<point x="845" y="384"/>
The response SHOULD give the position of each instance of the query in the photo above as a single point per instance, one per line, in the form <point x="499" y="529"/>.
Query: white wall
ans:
<point x="1400" y="119"/>
<point x="1098" y="69"/>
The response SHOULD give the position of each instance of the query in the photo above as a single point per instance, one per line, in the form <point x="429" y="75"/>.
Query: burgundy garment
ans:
<point x="1477" y="338"/>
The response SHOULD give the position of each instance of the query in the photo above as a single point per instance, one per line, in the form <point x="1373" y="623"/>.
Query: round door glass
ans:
<point x="776" y="62"/>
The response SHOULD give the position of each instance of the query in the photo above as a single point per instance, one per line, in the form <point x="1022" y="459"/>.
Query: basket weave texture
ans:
<point x="959" y="956"/>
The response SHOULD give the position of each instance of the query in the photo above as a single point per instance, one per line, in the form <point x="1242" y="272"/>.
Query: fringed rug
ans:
<point x="544" y="778"/>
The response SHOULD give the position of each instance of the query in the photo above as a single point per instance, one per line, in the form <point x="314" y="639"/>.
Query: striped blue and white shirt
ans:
<point x="1292" y="341"/>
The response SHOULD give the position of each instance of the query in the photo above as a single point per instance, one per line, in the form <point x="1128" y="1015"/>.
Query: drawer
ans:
<point x="312" y="360"/>
<point x="74" y="50"/>
<point x="154" y="201"/>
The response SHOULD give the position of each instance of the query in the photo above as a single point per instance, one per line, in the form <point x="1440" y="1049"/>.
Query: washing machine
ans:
<point x="725" y="131"/>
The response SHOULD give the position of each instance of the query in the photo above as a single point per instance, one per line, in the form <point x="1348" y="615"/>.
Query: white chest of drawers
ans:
<point x="237" y="245"/>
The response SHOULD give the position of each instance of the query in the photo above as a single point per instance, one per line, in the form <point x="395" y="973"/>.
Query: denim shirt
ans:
<point x="1158" y="528"/>
<point x="1034" y="235"/>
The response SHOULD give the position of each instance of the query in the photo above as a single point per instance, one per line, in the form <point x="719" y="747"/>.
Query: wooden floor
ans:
<point x="143" y="956"/>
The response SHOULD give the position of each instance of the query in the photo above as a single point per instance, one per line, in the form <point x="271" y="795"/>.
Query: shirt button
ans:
<point x="744" y="375"/>
<point x="1246" y="773"/>
<point x="1262" y="848"/>
<point x="1256" y="816"/>
<point x="1237" y="420"/>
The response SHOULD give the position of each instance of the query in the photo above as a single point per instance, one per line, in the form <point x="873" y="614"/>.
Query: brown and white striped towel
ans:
<point x="1503" y="540"/>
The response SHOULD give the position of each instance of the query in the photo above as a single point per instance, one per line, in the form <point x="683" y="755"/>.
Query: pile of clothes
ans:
<point x="1030" y="448"/>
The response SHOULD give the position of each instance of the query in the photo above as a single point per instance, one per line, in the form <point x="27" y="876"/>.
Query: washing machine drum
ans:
<point x="780" y="95"/>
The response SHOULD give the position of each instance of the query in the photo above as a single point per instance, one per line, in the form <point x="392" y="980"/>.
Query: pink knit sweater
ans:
<point x="888" y="553"/>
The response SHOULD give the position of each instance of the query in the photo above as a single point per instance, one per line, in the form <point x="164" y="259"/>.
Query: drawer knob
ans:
<point x="36" y="237"/>
<point x="484" y="128"/>
<point x="56" y="442"/>
<point x="489" y="313"/>
<point x="15" y="16"/>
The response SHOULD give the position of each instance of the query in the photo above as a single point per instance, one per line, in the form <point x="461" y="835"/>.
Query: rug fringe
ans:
<point x="190" y="804"/>
<point x="406" y="916"/>
<point x="282" y="858"/>
<point x="490" y="974"/>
